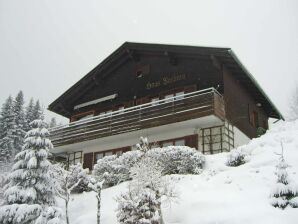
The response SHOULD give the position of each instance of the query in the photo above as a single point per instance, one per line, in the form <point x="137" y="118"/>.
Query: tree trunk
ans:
<point x="66" y="211"/>
<point x="98" y="206"/>
<point x="161" y="221"/>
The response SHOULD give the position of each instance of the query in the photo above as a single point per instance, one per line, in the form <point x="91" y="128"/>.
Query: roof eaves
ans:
<point x="234" y="56"/>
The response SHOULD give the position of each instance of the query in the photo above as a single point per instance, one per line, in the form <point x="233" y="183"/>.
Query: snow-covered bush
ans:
<point x="51" y="215"/>
<point x="285" y="192"/>
<point x="178" y="159"/>
<point x="138" y="207"/>
<point x="80" y="176"/>
<point x="236" y="157"/>
<point x="115" y="170"/>
<point x="173" y="159"/>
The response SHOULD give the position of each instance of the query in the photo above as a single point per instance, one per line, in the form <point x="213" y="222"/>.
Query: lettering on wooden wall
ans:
<point x="165" y="80"/>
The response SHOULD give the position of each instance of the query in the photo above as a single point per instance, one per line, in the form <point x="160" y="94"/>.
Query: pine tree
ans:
<point x="20" y="122"/>
<point x="7" y="125"/>
<point x="53" y="122"/>
<point x="285" y="192"/>
<point x="37" y="112"/>
<point x="30" y="189"/>
<point x="29" y="114"/>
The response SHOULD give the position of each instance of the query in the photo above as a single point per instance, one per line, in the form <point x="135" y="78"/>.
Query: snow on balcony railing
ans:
<point x="138" y="117"/>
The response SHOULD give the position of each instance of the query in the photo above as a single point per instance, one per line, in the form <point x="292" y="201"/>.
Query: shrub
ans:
<point x="174" y="160"/>
<point x="236" y="157"/>
<point x="178" y="159"/>
<point x="115" y="170"/>
<point x="78" y="173"/>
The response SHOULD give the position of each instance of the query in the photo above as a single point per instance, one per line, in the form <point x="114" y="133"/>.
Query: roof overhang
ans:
<point x="129" y="51"/>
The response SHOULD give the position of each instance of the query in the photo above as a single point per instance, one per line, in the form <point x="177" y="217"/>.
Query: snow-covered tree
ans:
<point x="7" y="127"/>
<point x="294" y="105"/>
<point x="96" y="186"/>
<point x="53" y="122"/>
<point x="29" y="114"/>
<point x="142" y="202"/>
<point x="30" y="190"/>
<point x="285" y="191"/>
<point x="65" y="184"/>
<point x="37" y="112"/>
<point x="51" y="215"/>
<point x="20" y="122"/>
<point x="78" y="178"/>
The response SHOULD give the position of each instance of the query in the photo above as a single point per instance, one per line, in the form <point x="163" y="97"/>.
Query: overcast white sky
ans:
<point x="46" y="46"/>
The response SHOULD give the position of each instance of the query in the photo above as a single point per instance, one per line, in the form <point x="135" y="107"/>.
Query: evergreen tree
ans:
<point x="30" y="189"/>
<point x="37" y="112"/>
<point x="20" y="122"/>
<point x="285" y="192"/>
<point x="7" y="125"/>
<point x="29" y="114"/>
<point x="53" y="122"/>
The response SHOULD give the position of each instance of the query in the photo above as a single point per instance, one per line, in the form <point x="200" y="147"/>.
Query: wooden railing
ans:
<point x="180" y="108"/>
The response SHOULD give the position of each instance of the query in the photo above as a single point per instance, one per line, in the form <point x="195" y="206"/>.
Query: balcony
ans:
<point x="171" y="110"/>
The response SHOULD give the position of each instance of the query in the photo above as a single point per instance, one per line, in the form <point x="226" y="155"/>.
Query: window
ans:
<point x="82" y="116"/>
<point x="169" y="98"/>
<point x="120" y="109"/>
<point x="154" y="100"/>
<point x="177" y="142"/>
<point x="74" y="158"/>
<point x="180" y="142"/>
<point x="119" y="153"/>
<point x="99" y="156"/>
<point x="179" y="95"/>
<point x="255" y="119"/>
<point x="86" y="117"/>
<point x="104" y="113"/>
<point x="108" y="153"/>
<point x="169" y="143"/>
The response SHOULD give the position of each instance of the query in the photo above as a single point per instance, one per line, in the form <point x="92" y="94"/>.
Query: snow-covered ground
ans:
<point x="220" y="194"/>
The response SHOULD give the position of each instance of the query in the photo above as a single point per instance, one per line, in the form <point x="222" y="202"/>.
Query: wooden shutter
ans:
<point x="192" y="141"/>
<point x="88" y="161"/>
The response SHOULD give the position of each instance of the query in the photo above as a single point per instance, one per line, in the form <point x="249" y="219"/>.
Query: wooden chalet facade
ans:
<point x="201" y="97"/>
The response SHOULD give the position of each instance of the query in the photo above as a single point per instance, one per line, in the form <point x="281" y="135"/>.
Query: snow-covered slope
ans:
<point x="220" y="194"/>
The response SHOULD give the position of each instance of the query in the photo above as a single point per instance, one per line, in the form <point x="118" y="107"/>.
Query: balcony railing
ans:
<point x="171" y="110"/>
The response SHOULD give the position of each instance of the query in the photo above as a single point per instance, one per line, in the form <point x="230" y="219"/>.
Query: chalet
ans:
<point x="202" y="97"/>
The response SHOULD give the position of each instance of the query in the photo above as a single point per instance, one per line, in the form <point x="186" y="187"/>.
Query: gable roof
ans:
<point x="130" y="50"/>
